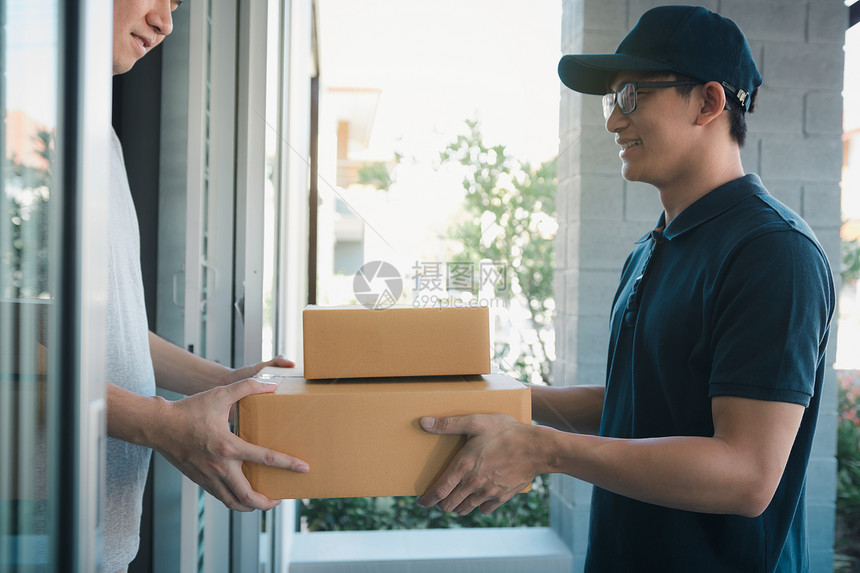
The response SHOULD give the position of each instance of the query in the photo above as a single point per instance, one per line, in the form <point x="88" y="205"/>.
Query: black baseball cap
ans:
<point x="688" y="40"/>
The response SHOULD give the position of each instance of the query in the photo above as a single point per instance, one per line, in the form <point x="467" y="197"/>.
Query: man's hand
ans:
<point x="194" y="436"/>
<point x="250" y="371"/>
<point x="497" y="461"/>
<point x="181" y="371"/>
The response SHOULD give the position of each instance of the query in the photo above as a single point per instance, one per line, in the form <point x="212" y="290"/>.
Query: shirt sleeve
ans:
<point x="771" y="319"/>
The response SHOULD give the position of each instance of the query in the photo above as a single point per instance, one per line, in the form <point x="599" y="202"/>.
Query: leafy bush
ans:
<point x="848" y="473"/>
<point x="850" y="260"/>
<point x="509" y="216"/>
<point x="364" y="513"/>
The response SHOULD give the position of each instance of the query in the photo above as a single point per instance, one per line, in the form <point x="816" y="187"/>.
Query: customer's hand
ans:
<point x="249" y="371"/>
<point x="195" y="437"/>
<point x="495" y="463"/>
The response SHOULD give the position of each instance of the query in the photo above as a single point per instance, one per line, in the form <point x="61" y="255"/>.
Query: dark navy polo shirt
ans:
<point x="733" y="298"/>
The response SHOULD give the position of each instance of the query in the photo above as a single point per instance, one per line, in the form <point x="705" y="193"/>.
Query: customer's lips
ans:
<point x="143" y="44"/>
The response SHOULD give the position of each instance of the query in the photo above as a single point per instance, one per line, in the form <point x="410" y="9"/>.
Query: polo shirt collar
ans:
<point x="711" y="205"/>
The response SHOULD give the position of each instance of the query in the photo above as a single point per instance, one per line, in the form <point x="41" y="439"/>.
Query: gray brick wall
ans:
<point x="795" y="145"/>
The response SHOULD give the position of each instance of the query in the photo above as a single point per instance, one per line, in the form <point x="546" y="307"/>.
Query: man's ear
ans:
<point x="712" y="103"/>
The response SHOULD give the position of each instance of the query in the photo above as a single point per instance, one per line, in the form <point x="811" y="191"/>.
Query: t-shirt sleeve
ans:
<point x="771" y="319"/>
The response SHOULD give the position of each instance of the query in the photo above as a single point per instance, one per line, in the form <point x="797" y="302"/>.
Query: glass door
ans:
<point x="233" y="176"/>
<point x="54" y="97"/>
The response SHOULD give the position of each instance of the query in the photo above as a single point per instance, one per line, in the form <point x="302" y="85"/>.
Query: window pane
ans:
<point x="28" y="98"/>
<point x="274" y="177"/>
<point x="434" y="164"/>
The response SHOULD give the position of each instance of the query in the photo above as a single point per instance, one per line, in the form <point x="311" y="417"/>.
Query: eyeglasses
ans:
<point x="626" y="96"/>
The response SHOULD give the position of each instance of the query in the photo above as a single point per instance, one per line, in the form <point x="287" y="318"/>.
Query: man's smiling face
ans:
<point x="139" y="26"/>
<point x="654" y="138"/>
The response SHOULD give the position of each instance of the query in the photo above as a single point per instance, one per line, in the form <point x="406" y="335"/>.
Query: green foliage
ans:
<point x="511" y="217"/>
<point x="347" y="514"/>
<point x="851" y="260"/>
<point x="848" y="473"/>
<point x="24" y="257"/>
<point x="378" y="174"/>
<point x="24" y="209"/>
<point x="361" y="514"/>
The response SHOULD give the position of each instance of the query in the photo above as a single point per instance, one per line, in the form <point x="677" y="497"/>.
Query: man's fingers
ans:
<point x="439" y="490"/>
<point x="484" y="501"/>
<point x="241" y="490"/>
<point x="492" y="505"/>
<point x="444" y="487"/>
<point x="450" y="424"/>
<point x="224" y="494"/>
<point x="464" y="497"/>
<point x="265" y="456"/>
<point x="232" y="488"/>
<point x="214" y="485"/>
<point x="470" y="502"/>
<point x="247" y="387"/>
<point x="282" y="362"/>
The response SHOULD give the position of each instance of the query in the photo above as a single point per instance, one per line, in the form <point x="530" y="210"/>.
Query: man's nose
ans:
<point x="161" y="18"/>
<point x="615" y="120"/>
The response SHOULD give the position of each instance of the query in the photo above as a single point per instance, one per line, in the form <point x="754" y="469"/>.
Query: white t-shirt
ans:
<point x="128" y="364"/>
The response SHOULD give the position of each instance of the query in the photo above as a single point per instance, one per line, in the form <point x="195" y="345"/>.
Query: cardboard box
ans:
<point x="358" y="342"/>
<point x="363" y="438"/>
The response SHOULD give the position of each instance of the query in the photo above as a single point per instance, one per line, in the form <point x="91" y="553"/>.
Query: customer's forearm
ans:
<point x="181" y="371"/>
<point x="132" y="417"/>
<point x="571" y="409"/>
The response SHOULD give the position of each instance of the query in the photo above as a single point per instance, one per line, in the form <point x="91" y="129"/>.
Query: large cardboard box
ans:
<point x="359" y="342"/>
<point x="362" y="438"/>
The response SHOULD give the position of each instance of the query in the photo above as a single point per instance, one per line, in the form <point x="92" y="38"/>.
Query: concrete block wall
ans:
<point x="794" y="143"/>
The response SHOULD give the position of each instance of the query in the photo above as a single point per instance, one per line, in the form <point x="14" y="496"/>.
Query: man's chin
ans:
<point x="627" y="174"/>
<point x="122" y="67"/>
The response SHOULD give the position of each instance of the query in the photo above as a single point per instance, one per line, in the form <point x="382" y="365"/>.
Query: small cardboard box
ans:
<point x="362" y="438"/>
<point x="358" y="342"/>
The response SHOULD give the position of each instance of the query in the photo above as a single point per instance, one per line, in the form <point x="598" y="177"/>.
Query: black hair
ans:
<point x="738" y="116"/>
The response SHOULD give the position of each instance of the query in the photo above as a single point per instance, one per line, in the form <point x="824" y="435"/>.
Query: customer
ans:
<point x="192" y="433"/>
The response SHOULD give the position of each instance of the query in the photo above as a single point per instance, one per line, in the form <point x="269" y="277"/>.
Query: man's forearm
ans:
<point x="688" y="473"/>
<point x="571" y="409"/>
<point x="132" y="417"/>
<point x="181" y="371"/>
<point x="736" y="471"/>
